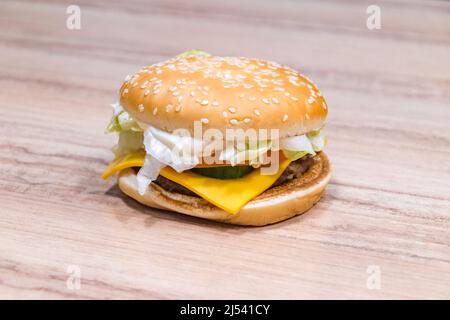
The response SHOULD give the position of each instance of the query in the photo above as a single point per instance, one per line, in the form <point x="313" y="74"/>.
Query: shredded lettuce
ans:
<point x="129" y="141"/>
<point x="121" y="120"/>
<point x="130" y="134"/>
<point x="178" y="151"/>
<point x="193" y="52"/>
<point x="252" y="155"/>
<point x="317" y="140"/>
<point x="297" y="147"/>
<point x="165" y="149"/>
<point x="294" y="155"/>
<point x="182" y="152"/>
<point x="149" y="172"/>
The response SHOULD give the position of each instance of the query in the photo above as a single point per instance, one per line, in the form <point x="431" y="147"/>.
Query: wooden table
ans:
<point x="381" y="231"/>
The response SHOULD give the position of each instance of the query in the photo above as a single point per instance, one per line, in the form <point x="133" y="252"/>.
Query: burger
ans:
<point x="231" y="139"/>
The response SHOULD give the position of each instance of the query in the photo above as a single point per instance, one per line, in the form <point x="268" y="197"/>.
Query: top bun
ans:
<point x="223" y="92"/>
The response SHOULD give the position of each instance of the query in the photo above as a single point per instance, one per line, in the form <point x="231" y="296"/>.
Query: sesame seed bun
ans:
<point x="276" y="204"/>
<point x="223" y="92"/>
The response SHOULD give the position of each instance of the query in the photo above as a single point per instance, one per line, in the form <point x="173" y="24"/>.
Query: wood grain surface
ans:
<point x="387" y="208"/>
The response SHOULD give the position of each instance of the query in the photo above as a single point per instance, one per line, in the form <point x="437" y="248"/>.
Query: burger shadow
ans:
<point x="157" y="215"/>
<point x="153" y="216"/>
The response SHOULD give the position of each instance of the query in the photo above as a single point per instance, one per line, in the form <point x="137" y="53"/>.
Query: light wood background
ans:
<point x="388" y="204"/>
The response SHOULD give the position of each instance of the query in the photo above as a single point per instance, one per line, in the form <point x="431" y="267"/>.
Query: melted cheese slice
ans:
<point x="228" y="194"/>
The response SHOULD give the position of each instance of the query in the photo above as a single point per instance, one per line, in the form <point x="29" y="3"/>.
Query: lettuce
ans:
<point x="294" y="155"/>
<point x="317" y="140"/>
<point x="297" y="147"/>
<point x="165" y="149"/>
<point x="179" y="152"/>
<point x="121" y="120"/>
<point x="149" y="172"/>
<point x="252" y="155"/>
<point x="182" y="152"/>
<point x="130" y="134"/>
<point x="129" y="141"/>
<point x="193" y="52"/>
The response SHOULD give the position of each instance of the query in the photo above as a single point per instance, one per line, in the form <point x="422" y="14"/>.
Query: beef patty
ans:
<point x="294" y="170"/>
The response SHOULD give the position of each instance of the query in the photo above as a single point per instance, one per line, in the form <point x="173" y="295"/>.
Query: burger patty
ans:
<point x="294" y="170"/>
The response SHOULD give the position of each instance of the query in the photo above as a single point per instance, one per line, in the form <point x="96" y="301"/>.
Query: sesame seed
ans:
<point x="294" y="98"/>
<point x="215" y="103"/>
<point x="242" y="95"/>
<point x="178" y="108"/>
<point x="204" y="102"/>
<point x="265" y="100"/>
<point x="225" y="114"/>
<point x="252" y="98"/>
<point x="275" y="100"/>
<point x="125" y="91"/>
<point x="127" y="78"/>
<point x="192" y="93"/>
<point x="135" y="84"/>
<point x="232" y="109"/>
<point x="233" y="121"/>
<point x="247" y="120"/>
<point x="146" y="92"/>
<point x="285" y="117"/>
<point x="307" y="116"/>
<point x="155" y="111"/>
<point x="204" y="120"/>
<point x="324" y="105"/>
<point x="169" y="107"/>
<point x="311" y="100"/>
<point x="156" y="91"/>
<point x="257" y="112"/>
<point x="176" y="93"/>
<point x="287" y="94"/>
<point x="141" y="107"/>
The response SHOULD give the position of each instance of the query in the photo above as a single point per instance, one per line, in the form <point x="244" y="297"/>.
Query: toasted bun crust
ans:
<point x="274" y="205"/>
<point x="223" y="92"/>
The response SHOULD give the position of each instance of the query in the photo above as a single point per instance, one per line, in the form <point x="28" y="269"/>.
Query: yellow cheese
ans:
<point x="228" y="194"/>
<point x="135" y="159"/>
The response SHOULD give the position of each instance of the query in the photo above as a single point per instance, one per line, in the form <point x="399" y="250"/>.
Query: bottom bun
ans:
<point x="276" y="204"/>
